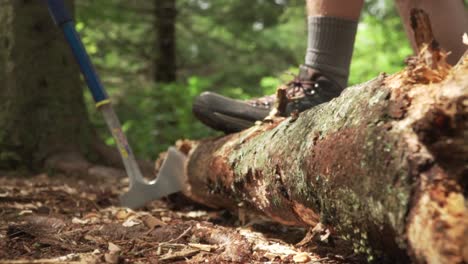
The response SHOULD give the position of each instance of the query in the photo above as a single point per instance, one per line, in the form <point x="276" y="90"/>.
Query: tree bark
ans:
<point x="383" y="165"/>
<point x="165" y="19"/>
<point x="42" y="110"/>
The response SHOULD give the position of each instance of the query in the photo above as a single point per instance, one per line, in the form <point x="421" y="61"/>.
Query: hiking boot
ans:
<point x="308" y="89"/>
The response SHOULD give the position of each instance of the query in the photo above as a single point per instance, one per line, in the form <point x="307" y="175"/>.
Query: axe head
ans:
<point x="170" y="179"/>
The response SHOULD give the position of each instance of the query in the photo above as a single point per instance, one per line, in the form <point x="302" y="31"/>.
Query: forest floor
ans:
<point x="59" y="219"/>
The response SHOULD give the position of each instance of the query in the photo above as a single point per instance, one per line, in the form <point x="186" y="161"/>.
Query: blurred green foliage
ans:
<point x="237" y="48"/>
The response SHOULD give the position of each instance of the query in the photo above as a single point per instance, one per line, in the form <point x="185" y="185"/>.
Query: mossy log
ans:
<point x="384" y="165"/>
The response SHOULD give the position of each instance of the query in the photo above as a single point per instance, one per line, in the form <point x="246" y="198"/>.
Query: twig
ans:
<point x="181" y="235"/>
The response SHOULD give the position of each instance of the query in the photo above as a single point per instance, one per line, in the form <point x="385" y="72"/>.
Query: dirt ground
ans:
<point x="64" y="219"/>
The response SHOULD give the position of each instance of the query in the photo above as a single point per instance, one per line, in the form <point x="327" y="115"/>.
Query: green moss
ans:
<point x="276" y="201"/>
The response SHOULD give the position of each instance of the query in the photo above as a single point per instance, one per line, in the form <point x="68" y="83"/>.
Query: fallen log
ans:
<point x="384" y="165"/>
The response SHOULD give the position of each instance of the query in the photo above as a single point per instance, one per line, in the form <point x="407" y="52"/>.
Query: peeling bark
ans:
<point x="384" y="165"/>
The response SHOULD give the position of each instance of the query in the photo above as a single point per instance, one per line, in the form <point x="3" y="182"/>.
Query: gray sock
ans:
<point x="330" y="46"/>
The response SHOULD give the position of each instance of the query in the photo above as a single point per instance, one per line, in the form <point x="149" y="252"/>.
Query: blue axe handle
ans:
<point x="64" y="20"/>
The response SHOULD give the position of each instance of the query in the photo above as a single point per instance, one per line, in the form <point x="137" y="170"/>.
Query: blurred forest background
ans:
<point x="237" y="48"/>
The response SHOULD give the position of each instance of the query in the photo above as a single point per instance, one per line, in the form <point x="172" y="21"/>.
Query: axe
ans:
<point x="171" y="175"/>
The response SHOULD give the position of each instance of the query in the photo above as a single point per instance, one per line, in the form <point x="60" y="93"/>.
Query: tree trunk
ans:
<point x="383" y="165"/>
<point x="165" y="18"/>
<point x="42" y="110"/>
<point x="165" y="69"/>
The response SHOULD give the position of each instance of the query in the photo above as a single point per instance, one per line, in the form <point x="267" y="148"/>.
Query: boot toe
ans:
<point x="226" y="114"/>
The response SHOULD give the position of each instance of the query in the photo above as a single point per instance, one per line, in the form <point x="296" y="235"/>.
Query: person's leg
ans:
<point x="331" y="32"/>
<point x="349" y="9"/>
<point x="449" y="20"/>
<point x="332" y="26"/>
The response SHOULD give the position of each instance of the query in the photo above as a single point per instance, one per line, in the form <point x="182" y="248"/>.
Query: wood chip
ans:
<point x="113" y="247"/>
<point x="131" y="222"/>
<point x="123" y="214"/>
<point x="166" y="219"/>
<point x="302" y="257"/>
<point x="79" y="221"/>
<point x="94" y="239"/>
<point x="112" y="258"/>
<point x="113" y="255"/>
<point x="270" y="256"/>
<point x="196" y="214"/>
<point x="25" y="212"/>
<point x="91" y="215"/>
<point x="203" y="247"/>
<point x="318" y="232"/>
<point x="152" y="222"/>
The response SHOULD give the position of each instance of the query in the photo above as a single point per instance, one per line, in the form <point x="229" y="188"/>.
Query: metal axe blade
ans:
<point x="170" y="179"/>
